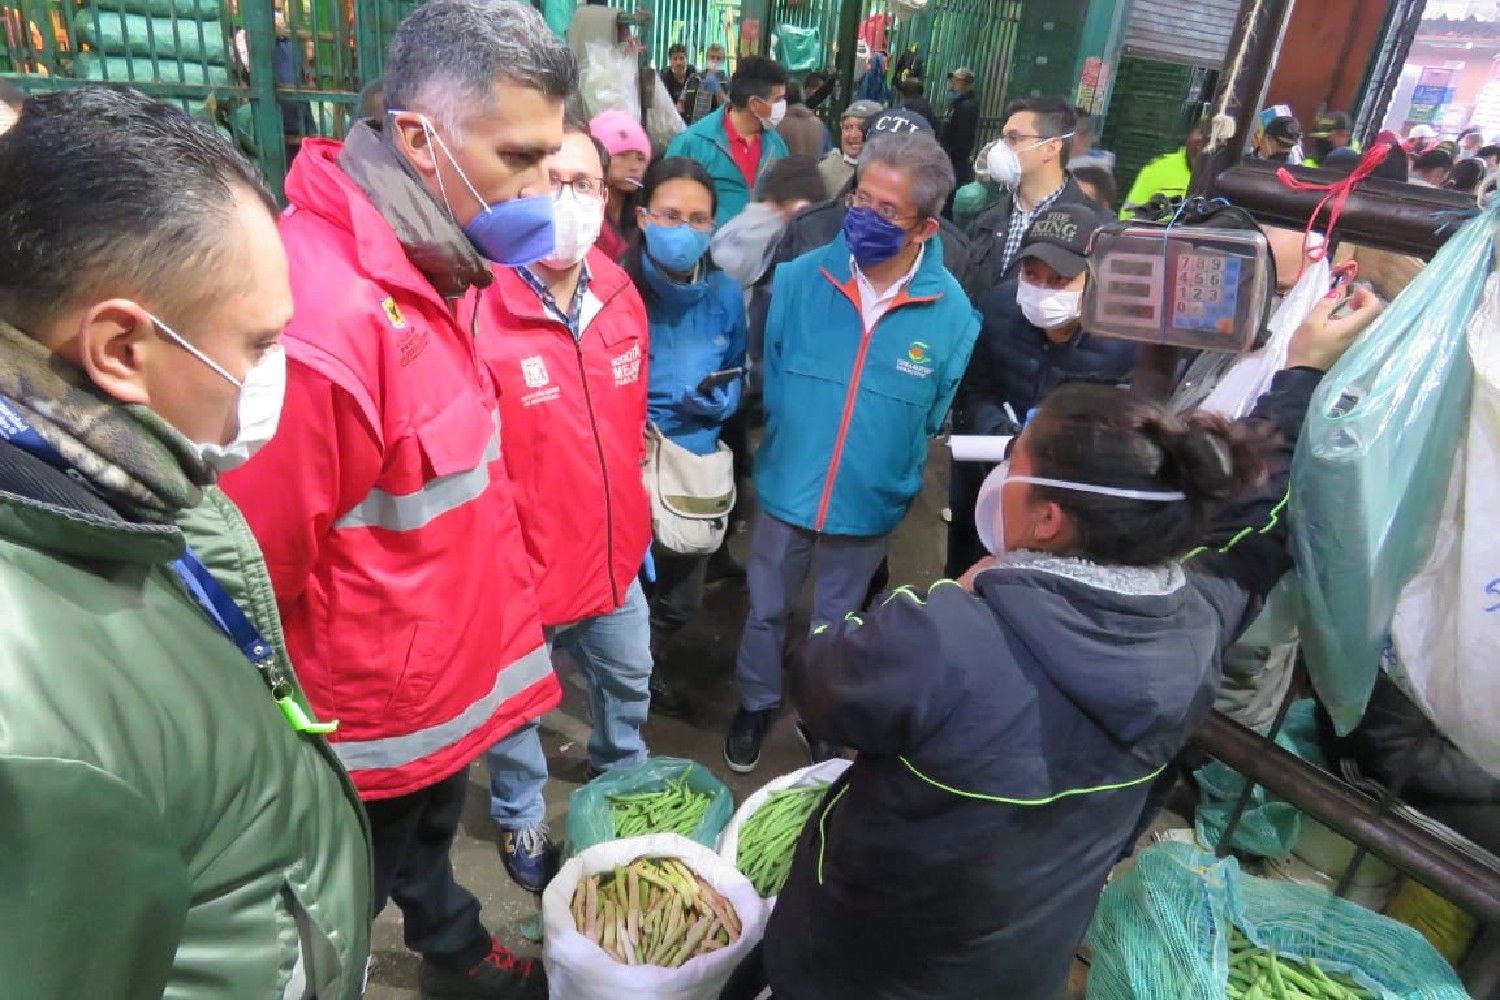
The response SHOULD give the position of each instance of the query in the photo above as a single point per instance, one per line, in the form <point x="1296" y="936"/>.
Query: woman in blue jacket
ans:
<point x="696" y="314"/>
<point x="1009" y="726"/>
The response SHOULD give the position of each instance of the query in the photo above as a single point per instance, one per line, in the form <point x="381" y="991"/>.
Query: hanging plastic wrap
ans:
<point x="1373" y="468"/>
<point x="1447" y="624"/>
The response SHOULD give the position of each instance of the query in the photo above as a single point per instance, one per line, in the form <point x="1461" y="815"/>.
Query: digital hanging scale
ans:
<point x="1182" y="286"/>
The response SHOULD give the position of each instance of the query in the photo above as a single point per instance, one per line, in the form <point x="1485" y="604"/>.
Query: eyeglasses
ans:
<point x="673" y="219"/>
<point x="588" y="190"/>
<point x="1014" y="139"/>
<point x="888" y="212"/>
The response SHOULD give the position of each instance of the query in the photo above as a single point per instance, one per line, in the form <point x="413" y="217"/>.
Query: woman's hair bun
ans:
<point x="1208" y="456"/>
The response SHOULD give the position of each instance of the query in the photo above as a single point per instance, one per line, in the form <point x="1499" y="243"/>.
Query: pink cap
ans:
<point x="620" y="133"/>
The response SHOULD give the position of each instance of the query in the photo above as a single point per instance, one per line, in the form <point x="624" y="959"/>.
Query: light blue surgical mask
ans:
<point x="676" y="248"/>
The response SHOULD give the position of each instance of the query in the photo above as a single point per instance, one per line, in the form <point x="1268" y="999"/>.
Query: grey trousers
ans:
<point x="781" y="557"/>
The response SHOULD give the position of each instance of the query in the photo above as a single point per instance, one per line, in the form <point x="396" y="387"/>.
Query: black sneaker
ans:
<point x="667" y="700"/>
<point x="500" y="975"/>
<point x="746" y="733"/>
<point x="817" y="750"/>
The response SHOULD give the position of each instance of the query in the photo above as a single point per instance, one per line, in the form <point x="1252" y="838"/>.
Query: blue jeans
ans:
<point x="614" y="652"/>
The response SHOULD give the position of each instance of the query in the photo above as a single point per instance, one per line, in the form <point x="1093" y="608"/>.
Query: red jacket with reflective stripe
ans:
<point x="574" y="413"/>
<point x="383" y="507"/>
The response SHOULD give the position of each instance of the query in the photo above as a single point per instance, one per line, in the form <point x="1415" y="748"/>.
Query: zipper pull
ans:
<point x="302" y="722"/>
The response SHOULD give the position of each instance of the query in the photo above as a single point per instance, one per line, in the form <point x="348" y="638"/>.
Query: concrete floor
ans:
<point x="701" y="664"/>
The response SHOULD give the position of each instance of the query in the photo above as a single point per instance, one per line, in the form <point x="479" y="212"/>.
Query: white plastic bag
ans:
<point x="578" y="969"/>
<point x="1447" y="622"/>
<point x="825" y="773"/>
<point x="609" y="81"/>
<point x="662" y="121"/>
<point x="1229" y="384"/>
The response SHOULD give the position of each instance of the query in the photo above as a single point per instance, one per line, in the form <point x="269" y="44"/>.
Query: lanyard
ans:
<point x="211" y="596"/>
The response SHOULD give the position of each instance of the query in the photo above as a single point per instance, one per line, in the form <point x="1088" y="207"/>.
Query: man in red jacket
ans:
<point x="565" y="341"/>
<point x="382" y="505"/>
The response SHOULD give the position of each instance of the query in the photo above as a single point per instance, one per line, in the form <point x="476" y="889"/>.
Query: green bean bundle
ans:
<point x="769" y="837"/>
<point x="657" y="911"/>
<point x="675" y="809"/>
<point x="1258" y="974"/>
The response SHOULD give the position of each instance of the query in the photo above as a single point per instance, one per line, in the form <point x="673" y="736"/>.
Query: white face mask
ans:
<point x="778" y="114"/>
<point x="1048" y="308"/>
<point x="989" y="511"/>
<point x="259" y="408"/>
<point x="716" y="65"/>
<point x="575" y="227"/>
<point x="1004" y="164"/>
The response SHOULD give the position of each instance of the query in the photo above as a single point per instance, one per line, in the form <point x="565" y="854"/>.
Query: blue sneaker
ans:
<point x="529" y="856"/>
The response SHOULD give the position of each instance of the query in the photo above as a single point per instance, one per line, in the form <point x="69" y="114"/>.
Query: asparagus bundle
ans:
<point x="657" y="911"/>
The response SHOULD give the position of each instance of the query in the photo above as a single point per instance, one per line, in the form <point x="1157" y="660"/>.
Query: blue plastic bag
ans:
<point x="589" y="821"/>
<point x="1162" y="931"/>
<point x="1373" y="465"/>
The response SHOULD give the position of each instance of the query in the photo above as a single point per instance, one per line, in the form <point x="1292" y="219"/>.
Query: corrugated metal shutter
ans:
<point x="1186" y="32"/>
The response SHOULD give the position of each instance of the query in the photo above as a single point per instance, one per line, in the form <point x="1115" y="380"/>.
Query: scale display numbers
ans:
<point x="1205" y="292"/>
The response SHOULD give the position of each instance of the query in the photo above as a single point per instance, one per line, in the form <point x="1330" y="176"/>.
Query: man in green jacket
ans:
<point x="174" y="823"/>
<point x="738" y="143"/>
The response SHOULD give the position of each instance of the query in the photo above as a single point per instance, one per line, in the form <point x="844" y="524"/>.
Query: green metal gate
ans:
<point x="694" y="23"/>
<point x="269" y="73"/>
<point x="981" y="35"/>
<point x="1150" y="112"/>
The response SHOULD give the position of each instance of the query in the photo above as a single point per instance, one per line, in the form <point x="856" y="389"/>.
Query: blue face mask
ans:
<point x="872" y="240"/>
<point x="954" y="95"/>
<point x="676" y="248"/>
<point x="509" y="233"/>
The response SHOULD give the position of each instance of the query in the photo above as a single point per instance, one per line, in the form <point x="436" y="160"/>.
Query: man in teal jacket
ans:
<point x="175" y="823"/>
<point x="866" y="342"/>
<point x="738" y="143"/>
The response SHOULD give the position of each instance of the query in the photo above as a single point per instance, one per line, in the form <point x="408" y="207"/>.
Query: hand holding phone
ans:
<point x="713" y="380"/>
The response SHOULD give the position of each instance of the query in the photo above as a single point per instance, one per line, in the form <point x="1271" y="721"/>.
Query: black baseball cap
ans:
<point x="1329" y="123"/>
<point x="1059" y="237"/>
<point x="1285" y="131"/>
<point x="896" y="122"/>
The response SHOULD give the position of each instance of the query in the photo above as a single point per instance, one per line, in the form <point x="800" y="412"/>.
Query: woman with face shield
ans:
<point x="1010" y="725"/>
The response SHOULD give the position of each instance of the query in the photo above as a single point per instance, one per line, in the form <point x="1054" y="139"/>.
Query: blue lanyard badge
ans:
<point x="210" y="595"/>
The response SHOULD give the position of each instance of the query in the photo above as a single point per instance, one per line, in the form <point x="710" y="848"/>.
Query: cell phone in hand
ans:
<point x="713" y="380"/>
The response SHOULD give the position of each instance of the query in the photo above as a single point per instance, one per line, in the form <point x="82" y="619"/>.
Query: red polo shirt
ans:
<point x="745" y="151"/>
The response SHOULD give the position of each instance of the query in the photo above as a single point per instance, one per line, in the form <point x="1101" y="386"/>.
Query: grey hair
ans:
<point x="447" y="55"/>
<point x="921" y="159"/>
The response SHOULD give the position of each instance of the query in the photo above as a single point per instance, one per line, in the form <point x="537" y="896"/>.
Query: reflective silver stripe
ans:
<point x="411" y="511"/>
<point x="397" y="751"/>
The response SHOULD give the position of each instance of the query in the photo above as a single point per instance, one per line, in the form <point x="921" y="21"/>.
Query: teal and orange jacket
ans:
<point x="849" y="410"/>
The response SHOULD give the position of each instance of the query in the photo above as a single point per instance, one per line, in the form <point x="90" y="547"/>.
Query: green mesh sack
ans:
<point x="589" y="819"/>
<point x="1162" y="931"/>
<point x="164" y="37"/>
<point x="1269" y="826"/>
<point x="798" y="49"/>
<point x="198" y="10"/>
<point x="125" y="69"/>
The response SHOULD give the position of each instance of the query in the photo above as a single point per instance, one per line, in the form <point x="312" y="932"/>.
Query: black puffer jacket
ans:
<point x="1007" y="741"/>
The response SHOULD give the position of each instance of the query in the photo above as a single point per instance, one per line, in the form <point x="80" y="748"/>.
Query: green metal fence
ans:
<point x="269" y="73"/>
<point x="980" y="35"/>
<point x="694" y="23"/>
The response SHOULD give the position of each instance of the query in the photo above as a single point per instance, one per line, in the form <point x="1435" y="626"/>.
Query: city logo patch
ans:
<point x="393" y="314"/>
<point x="534" y="371"/>
<point x="627" y="366"/>
<point x="918" y="360"/>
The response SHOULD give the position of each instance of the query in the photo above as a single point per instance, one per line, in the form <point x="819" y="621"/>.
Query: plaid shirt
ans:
<point x="1020" y="221"/>
<point x="573" y="318"/>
